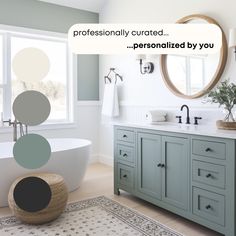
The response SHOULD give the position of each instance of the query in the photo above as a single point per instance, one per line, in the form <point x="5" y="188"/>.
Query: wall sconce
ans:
<point x="146" y="68"/>
<point x="232" y="40"/>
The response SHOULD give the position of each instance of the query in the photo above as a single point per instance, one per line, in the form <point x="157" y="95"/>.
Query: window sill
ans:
<point x="89" y="103"/>
<point x="7" y="129"/>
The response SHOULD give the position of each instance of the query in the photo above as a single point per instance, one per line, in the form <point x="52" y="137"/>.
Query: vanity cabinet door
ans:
<point x="149" y="157"/>
<point x="175" y="174"/>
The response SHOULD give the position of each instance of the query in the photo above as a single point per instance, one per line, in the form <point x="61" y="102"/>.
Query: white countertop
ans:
<point x="204" y="130"/>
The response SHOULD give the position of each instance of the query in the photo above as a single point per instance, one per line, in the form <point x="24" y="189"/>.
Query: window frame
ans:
<point x="2" y="84"/>
<point x="71" y="73"/>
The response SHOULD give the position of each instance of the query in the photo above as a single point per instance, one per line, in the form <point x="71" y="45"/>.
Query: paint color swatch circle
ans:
<point x="32" y="194"/>
<point x="30" y="64"/>
<point x="32" y="151"/>
<point x="31" y="107"/>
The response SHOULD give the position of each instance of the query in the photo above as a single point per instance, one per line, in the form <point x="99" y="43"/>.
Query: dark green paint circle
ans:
<point x="32" y="194"/>
<point x="32" y="151"/>
<point x="31" y="108"/>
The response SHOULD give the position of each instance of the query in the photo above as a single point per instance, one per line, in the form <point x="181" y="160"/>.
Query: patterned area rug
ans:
<point x="97" y="216"/>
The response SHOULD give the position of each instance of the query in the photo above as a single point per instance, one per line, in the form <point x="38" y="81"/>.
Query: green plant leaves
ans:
<point x="224" y="95"/>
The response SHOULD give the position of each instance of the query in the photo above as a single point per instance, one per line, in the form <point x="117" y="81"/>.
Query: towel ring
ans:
<point x="107" y="78"/>
<point x="112" y="70"/>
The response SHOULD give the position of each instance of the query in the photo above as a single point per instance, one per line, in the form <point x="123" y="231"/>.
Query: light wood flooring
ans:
<point x="99" y="181"/>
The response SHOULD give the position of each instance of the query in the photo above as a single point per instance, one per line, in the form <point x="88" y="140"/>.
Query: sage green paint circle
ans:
<point x="31" y="108"/>
<point x="31" y="64"/>
<point x="32" y="151"/>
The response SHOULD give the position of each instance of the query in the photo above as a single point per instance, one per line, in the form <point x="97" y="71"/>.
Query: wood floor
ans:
<point x="99" y="181"/>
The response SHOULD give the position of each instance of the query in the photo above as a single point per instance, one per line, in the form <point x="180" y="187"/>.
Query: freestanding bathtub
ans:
<point x="69" y="159"/>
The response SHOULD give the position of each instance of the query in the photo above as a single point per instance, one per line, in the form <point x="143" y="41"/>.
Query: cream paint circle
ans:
<point x="30" y="64"/>
<point x="31" y="108"/>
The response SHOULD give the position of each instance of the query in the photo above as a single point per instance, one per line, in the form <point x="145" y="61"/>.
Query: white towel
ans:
<point x="110" y="106"/>
<point x="156" y="116"/>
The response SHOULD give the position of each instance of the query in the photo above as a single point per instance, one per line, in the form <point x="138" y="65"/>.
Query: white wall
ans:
<point x="140" y="92"/>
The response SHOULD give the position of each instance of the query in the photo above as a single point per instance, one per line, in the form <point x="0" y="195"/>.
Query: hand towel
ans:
<point x="156" y="116"/>
<point x="110" y="106"/>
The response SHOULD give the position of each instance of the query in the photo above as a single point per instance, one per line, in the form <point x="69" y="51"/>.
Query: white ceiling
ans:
<point x="88" y="5"/>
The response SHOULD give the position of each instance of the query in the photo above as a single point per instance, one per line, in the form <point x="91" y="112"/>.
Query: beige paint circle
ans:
<point x="31" y="64"/>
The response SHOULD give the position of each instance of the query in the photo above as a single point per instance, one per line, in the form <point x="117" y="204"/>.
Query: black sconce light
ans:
<point x="147" y="67"/>
<point x="232" y="40"/>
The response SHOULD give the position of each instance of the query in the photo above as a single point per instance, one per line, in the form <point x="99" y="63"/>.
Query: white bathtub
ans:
<point x="69" y="159"/>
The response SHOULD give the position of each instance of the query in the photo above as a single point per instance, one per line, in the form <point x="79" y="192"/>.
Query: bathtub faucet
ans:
<point x="15" y="124"/>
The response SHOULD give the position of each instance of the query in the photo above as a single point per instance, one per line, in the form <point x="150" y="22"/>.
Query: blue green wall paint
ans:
<point x="50" y="17"/>
<point x="32" y="151"/>
<point x="88" y="69"/>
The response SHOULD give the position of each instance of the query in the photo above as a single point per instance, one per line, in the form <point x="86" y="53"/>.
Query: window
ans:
<point x="1" y="74"/>
<point x="188" y="72"/>
<point x="57" y="85"/>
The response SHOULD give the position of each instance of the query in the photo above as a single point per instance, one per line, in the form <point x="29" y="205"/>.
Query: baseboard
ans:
<point x="94" y="158"/>
<point x="107" y="160"/>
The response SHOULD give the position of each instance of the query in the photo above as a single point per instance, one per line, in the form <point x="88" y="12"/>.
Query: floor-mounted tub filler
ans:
<point x="69" y="159"/>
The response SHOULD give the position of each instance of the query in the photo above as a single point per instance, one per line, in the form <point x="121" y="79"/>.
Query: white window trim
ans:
<point x="41" y="33"/>
<point x="71" y="75"/>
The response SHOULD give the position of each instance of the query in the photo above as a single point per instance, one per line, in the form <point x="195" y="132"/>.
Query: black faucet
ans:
<point x="187" y="118"/>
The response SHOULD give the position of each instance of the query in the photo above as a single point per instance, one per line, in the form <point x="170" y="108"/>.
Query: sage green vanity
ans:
<point x="190" y="175"/>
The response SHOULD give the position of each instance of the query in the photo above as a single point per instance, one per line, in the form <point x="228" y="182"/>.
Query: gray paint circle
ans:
<point x="31" y="108"/>
<point x="32" y="151"/>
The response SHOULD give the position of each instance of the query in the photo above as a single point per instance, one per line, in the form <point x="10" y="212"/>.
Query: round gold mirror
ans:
<point x="192" y="76"/>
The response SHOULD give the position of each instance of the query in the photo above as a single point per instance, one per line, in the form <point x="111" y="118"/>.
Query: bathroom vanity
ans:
<point x="189" y="171"/>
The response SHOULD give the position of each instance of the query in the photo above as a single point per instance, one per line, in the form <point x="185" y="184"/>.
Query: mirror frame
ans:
<point x="219" y="70"/>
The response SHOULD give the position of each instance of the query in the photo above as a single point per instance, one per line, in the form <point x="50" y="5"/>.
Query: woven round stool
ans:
<point x="57" y="204"/>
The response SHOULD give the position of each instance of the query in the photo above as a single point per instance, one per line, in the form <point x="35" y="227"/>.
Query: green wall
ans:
<point x="50" y="17"/>
<point x="88" y="68"/>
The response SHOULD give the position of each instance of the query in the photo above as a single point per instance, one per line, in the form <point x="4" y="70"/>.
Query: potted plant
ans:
<point x="225" y="96"/>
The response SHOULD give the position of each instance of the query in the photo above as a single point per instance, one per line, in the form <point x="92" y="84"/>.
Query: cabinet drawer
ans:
<point x="125" y="135"/>
<point x="125" y="153"/>
<point x="126" y="176"/>
<point x="209" y="205"/>
<point x="209" y="174"/>
<point x="209" y="149"/>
